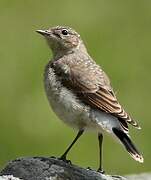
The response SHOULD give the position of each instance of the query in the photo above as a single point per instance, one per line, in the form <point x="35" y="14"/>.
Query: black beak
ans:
<point x="43" y="32"/>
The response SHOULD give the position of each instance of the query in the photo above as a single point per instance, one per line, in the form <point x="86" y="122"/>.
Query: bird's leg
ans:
<point x="100" y="138"/>
<point x="63" y="157"/>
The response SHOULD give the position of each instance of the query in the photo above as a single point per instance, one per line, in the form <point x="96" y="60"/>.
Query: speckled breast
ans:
<point x="63" y="102"/>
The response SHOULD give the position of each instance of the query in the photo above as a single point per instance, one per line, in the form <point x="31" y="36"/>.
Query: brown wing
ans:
<point x="93" y="86"/>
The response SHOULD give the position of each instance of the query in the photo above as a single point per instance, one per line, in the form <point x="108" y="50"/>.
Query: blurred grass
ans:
<point x="118" y="36"/>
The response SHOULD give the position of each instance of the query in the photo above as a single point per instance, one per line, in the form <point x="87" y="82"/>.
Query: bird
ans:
<point x="80" y="92"/>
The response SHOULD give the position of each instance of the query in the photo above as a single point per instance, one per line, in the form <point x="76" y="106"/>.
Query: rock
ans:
<point x="143" y="176"/>
<point x="9" y="177"/>
<point x="42" y="168"/>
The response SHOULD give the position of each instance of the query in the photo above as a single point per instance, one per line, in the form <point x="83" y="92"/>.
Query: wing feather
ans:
<point x="92" y="85"/>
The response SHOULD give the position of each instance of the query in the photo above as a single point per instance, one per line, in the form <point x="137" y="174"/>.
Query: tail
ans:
<point x="130" y="147"/>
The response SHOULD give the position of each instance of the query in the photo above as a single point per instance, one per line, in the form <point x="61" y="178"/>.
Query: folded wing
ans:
<point x="92" y="85"/>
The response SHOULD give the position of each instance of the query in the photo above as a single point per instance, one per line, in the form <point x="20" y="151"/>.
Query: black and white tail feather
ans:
<point x="128" y="144"/>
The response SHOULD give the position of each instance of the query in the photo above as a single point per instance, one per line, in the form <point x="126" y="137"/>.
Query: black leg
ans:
<point x="100" y="138"/>
<point x="63" y="157"/>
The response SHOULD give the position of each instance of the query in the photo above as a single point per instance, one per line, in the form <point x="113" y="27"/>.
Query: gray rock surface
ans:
<point x="9" y="177"/>
<point x="42" y="168"/>
<point x="143" y="176"/>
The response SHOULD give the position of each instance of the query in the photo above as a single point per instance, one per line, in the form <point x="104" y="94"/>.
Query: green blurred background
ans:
<point x="118" y="36"/>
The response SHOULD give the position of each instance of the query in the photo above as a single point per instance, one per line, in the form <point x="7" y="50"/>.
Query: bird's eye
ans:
<point x="64" y="32"/>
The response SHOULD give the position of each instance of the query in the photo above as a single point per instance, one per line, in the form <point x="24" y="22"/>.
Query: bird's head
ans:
<point x="62" y="39"/>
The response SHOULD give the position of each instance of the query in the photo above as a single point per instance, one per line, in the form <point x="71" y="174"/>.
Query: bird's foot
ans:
<point x="100" y="170"/>
<point x="63" y="158"/>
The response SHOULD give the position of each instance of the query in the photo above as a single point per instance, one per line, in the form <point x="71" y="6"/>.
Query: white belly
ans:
<point x="64" y="103"/>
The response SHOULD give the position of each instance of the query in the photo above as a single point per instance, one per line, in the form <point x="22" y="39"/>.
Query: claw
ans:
<point x="101" y="171"/>
<point x="65" y="160"/>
